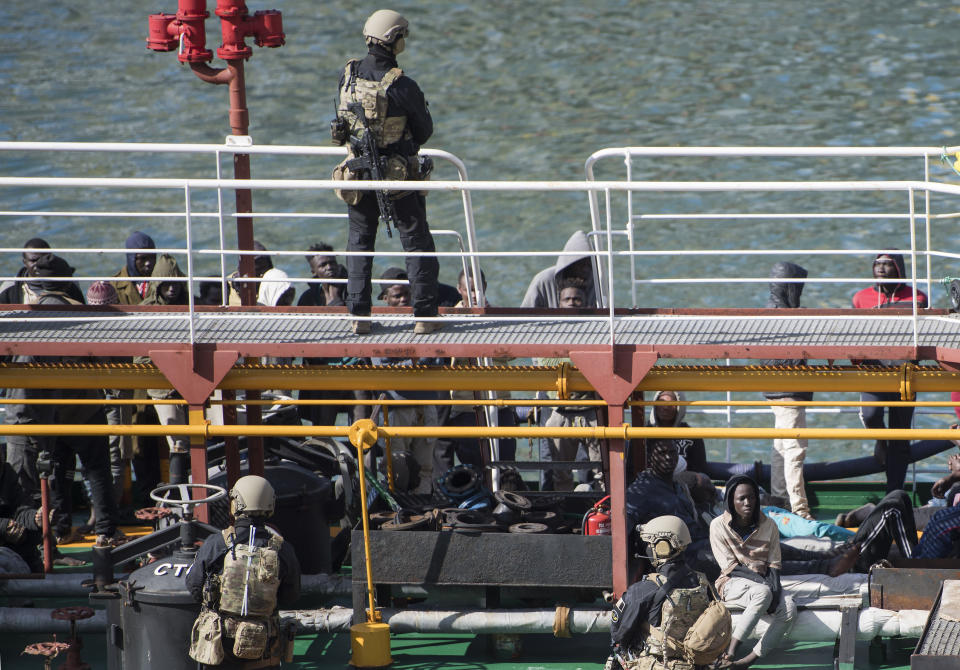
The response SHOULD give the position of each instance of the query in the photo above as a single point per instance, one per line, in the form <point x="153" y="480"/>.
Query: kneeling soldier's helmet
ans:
<point x="666" y="538"/>
<point x="252" y="496"/>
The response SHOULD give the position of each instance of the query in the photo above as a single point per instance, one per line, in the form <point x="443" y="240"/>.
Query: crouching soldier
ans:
<point x="672" y="618"/>
<point x="242" y="576"/>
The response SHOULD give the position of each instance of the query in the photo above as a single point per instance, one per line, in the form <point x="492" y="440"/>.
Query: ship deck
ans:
<point x="670" y="333"/>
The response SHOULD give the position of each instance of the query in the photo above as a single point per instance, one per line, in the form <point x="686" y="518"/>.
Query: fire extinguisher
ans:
<point x="597" y="519"/>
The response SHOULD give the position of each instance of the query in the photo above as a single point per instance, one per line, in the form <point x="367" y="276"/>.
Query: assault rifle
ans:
<point x="368" y="159"/>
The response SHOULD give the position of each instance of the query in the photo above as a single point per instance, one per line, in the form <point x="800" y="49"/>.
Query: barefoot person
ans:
<point x="746" y="544"/>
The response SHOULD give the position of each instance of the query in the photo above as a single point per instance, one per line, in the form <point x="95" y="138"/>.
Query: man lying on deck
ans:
<point x="895" y="520"/>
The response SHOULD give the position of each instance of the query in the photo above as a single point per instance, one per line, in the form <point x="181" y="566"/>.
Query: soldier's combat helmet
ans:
<point x="386" y="26"/>
<point x="666" y="538"/>
<point x="252" y="496"/>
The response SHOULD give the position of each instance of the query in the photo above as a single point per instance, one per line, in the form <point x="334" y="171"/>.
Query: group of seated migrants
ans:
<point x="118" y="471"/>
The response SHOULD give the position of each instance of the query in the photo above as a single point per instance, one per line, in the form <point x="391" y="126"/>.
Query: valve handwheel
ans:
<point x="74" y="613"/>
<point x="49" y="649"/>
<point x="185" y="501"/>
<point x="152" y="513"/>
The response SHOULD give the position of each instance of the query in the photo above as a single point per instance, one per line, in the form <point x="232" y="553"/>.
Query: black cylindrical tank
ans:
<point x="300" y="514"/>
<point x="150" y="615"/>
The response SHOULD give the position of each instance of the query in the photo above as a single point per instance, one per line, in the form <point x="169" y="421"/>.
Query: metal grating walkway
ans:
<point x="745" y="334"/>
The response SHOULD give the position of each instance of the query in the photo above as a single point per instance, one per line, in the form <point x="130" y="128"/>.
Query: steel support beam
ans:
<point x="615" y="375"/>
<point x="909" y="379"/>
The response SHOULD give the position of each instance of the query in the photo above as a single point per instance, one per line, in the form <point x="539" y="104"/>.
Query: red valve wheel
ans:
<point x="72" y="613"/>
<point x="50" y="649"/>
<point x="152" y="513"/>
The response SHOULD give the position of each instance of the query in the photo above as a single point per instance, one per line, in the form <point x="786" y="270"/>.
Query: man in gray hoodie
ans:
<point x="576" y="261"/>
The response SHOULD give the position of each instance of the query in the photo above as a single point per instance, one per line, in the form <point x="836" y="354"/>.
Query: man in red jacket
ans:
<point x="888" y="265"/>
<point x="894" y="454"/>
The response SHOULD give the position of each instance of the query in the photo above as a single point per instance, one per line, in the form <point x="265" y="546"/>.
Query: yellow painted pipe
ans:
<point x="798" y="403"/>
<point x="369" y="641"/>
<point x="101" y="401"/>
<point x="363" y="435"/>
<point x="480" y="432"/>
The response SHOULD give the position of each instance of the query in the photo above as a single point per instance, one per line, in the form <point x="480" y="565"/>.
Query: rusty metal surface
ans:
<point x="911" y="584"/>
<point x="939" y="643"/>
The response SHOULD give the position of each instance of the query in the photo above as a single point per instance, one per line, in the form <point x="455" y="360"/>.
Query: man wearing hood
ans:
<point x="275" y="289"/>
<point x="786" y="460"/>
<point x="691" y="453"/>
<point x="132" y="287"/>
<point x="746" y="544"/>
<point x="575" y="261"/>
<point x="894" y="454"/>
<point x="18" y="292"/>
<point x="23" y="450"/>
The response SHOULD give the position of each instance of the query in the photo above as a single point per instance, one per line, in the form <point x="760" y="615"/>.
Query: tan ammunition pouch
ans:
<point x="343" y="173"/>
<point x="655" y="663"/>
<point x="710" y="635"/>
<point x="250" y="640"/>
<point x="253" y="639"/>
<point x="206" y="639"/>
<point x="402" y="168"/>
<point x="397" y="168"/>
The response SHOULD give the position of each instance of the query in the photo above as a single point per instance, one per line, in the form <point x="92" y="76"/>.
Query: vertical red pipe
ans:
<point x="198" y="460"/>
<point x="240" y="125"/>
<point x="618" y="518"/>
<point x="45" y="525"/>
<point x="231" y="444"/>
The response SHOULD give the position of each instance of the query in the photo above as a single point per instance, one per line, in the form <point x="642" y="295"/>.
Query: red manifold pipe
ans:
<point x="268" y="28"/>
<point x="231" y="9"/>
<point x="192" y="16"/>
<point x="192" y="9"/>
<point x="185" y="31"/>
<point x="160" y="37"/>
<point x="165" y="32"/>
<point x="236" y="24"/>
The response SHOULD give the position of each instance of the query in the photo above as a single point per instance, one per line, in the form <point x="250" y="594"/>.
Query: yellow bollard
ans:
<point x="370" y="645"/>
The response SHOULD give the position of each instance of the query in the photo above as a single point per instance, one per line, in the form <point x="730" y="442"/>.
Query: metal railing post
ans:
<point x="610" y="291"/>
<point x="192" y="315"/>
<point x="913" y="267"/>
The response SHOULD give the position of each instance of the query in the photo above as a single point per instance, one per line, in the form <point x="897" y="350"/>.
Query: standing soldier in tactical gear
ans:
<point x="397" y="117"/>
<point x="243" y="575"/>
<point x="672" y="619"/>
